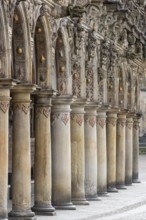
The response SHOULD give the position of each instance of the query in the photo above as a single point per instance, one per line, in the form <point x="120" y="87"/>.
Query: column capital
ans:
<point x="43" y="97"/>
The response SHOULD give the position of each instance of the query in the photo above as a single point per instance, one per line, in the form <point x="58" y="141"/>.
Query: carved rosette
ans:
<point x="63" y="117"/>
<point x="91" y="120"/>
<point x="101" y="122"/>
<point x="77" y="118"/>
<point x="112" y="121"/>
<point x="43" y="111"/>
<point x="24" y="107"/>
<point x="4" y="106"/>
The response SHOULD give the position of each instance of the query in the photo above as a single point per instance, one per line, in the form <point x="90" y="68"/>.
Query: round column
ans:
<point x="43" y="174"/>
<point x="4" y="128"/>
<point x="136" y="150"/>
<point x="101" y="154"/>
<point x="120" y="154"/>
<point x="21" y="160"/>
<point x="129" y="150"/>
<point x="61" y="153"/>
<point x="90" y="154"/>
<point x="111" y="151"/>
<point x="78" y="155"/>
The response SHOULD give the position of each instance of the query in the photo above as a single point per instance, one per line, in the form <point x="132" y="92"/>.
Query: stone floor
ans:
<point x="127" y="204"/>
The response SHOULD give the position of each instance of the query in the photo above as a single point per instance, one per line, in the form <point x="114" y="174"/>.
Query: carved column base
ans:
<point x="112" y="189"/>
<point x="47" y="211"/>
<point x="21" y="216"/>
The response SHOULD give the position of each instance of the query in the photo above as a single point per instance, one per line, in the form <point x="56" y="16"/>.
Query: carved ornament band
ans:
<point x="91" y="120"/>
<point x="25" y="107"/>
<point x="101" y="122"/>
<point x="44" y="111"/>
<point x="4" y="106"/>
<point x="78" y="118"/>
<point x="65" y="117"/>
<point x="112" y="122"/>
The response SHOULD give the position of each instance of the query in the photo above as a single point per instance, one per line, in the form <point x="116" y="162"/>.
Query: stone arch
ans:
<point x="41" y="62"/>
<point x="20" y="46"/>
<point x="129" y="89"/>
<point x="5" y="71"/>
<point x="136" y="95"/>
<point x="63" y="63"/>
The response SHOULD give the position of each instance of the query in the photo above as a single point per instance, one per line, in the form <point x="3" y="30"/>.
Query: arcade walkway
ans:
<point x="127" y="204"/>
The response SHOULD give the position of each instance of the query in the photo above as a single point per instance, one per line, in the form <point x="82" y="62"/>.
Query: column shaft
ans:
<point x="129" y="150"/>
<point x="4" y="114"/>
<point x="21" y="160"/>
<point x="136" y="150"/>
<point x="61" y="154"/>
<point x="101" y="154"/>
<point x="120" y="154"/>
<point x="78" y="155"/>
<point x="111" y="151"/>
<point x="90" y="154"/>
<point x="43" y="174"/>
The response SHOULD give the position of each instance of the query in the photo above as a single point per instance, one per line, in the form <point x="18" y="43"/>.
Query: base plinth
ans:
<point x="112" y="190"/>
<point x="69" y="206"/>
<point x="103" y="194"/>
<point x="21" y="215"/>
<point x="136" y="181"/>
<point x="49" y="211"/>
<point x="122" y="187"/>
<point x="80" y="202"/>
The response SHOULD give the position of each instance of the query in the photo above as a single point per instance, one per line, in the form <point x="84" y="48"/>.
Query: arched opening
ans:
<point x="129" y="91"/>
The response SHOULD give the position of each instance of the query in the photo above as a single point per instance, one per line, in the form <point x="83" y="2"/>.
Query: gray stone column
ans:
<point x="129" y="150"/>
<point x="78" y="154"/>
<point x="43" y="168"/>
<point x="61" y="153"/>
<point x="111" y="151"/>
<point x="90" y="153"/>
<point x="136" y="149"/>
<point x="101" y="153"/>
<point x="21" y="160"/>
<point x="4" y="128"/>
<point x="120" y="154"/>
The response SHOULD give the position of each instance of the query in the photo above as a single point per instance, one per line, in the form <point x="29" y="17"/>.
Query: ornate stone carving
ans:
<point x="112" y="121"/>
<point x="4" y="106"/>
<point x="64" y="117"/>
<point x="43" y="111"/>
<point x="121" y="122"/>
<point x="101" y="122"/>
<point x="78" y="118"/>
<point x="25" y="107"/>
<point x="91" y="120"/>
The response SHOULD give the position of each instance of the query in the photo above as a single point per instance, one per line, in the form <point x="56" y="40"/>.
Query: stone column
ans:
<point x="136" y="149"/>
<point x="61" y="153"/>
<point x="78" y="154"/>
<point x="90" y="153"/>
<point x="111" y="151"/>
<point x="43" y="173"/>
<point x="4" y="128"/>
<point x="129" y="150"/>
<point x="21" y="160"/>
<point x="101" y="153"/>
<point x="120" y="154"/>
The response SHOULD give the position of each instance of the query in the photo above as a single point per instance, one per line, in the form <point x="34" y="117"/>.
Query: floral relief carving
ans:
<point x="101" y="122"/>
<point x="78" y="118"/>
<point x="129" y="125"/>
<point x="64" y="117"/>
<point x="25" y="107"/>
<point x="112" y="122"/>
<point x="121" y="123"/>
<point x="4" y="106"/>
<point x="91" y="120"/>
<point x="43" y="110"/>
